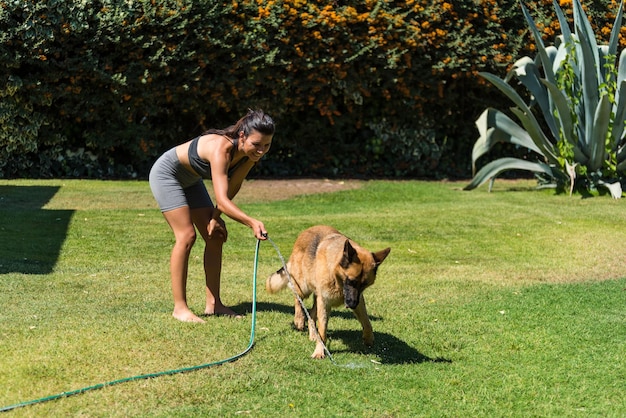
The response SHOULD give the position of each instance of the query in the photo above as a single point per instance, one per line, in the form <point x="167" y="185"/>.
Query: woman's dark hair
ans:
<point x="254" y="120"/>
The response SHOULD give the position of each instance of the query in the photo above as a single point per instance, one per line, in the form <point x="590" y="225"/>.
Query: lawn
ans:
<point x="502" y="304"/>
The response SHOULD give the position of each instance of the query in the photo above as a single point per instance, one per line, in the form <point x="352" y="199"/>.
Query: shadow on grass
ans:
<point x="390" y="349"/>
<point x="30" y="237"/>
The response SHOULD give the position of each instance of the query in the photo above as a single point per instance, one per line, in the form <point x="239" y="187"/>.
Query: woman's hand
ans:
<point x="259" y="230"/>
<point x="217" y="229"/>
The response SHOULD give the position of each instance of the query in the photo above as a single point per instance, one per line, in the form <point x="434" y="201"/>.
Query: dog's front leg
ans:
<point x="361" y="314"/>
<point x="321" y="314"/>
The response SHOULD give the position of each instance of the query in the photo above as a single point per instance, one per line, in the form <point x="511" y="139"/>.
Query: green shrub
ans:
<point x="96" y="84"/>
<point x="101" y="88"/>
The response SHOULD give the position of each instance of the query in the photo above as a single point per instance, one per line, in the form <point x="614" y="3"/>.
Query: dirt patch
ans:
<point x="271" y="190"/>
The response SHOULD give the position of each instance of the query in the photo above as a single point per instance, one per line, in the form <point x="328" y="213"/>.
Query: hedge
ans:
<point x="359" y="88"/>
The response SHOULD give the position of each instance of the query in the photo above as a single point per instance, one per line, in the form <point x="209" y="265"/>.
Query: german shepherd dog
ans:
<point x="335" y="270"/>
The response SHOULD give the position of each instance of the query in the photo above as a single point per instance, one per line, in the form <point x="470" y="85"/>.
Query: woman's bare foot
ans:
<point x="187" y="316"/>
<point x="222" y="311"/>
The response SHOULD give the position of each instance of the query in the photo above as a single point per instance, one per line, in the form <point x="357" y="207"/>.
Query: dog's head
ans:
<point x="358" y="269"/>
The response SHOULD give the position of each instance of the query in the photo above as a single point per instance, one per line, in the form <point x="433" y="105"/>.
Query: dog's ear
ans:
<point x="380" y="256"/>
<point x="349" y="254"/>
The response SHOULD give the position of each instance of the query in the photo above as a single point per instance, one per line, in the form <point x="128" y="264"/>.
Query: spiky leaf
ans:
<point x="500" y="165"/>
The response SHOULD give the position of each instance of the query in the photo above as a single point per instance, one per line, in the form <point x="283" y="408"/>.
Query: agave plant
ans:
<point x="578" y="92"/>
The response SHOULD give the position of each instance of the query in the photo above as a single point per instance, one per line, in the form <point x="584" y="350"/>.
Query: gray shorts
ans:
<point x="173" y="186"/>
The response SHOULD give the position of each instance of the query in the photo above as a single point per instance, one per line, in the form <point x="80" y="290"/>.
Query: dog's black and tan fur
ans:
<point x="335" y="270"/>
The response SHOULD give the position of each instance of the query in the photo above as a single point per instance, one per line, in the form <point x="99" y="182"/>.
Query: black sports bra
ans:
<point x="204" y="168"/>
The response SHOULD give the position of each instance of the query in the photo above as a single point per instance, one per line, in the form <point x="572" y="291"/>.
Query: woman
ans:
<point x="176" y="179"/>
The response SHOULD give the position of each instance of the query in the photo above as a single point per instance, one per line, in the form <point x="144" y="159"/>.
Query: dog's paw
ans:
<point x="368" y="339"/>
<point x="318" y="353"/>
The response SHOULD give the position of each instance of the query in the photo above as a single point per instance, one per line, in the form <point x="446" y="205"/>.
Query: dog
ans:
<point x="336" y="270"/>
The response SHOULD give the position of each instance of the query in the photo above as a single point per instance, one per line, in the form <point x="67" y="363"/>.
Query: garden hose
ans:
<point x="164" y="373"/>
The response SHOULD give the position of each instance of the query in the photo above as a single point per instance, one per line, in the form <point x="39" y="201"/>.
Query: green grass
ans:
<point x="490" y="304"/>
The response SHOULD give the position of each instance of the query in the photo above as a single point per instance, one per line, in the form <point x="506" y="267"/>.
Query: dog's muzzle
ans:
<point x="351" y="296"/>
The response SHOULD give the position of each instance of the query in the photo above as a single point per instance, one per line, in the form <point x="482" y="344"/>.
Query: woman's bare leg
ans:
<point x="212" y="264"/>
<point x="180" y="221"/>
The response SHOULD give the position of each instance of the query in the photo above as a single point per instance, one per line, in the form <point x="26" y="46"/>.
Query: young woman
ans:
<point x="225" y="156"/>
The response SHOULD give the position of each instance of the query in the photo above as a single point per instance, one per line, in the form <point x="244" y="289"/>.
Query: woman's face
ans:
<point x="256" y="145"/>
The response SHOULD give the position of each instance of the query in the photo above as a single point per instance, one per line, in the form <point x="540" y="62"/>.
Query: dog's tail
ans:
<point x="277" y="281"/>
